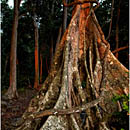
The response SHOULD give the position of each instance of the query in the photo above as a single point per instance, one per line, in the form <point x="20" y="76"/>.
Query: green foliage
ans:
<point x="124" y="99"/>
<point x="121" y="118"/>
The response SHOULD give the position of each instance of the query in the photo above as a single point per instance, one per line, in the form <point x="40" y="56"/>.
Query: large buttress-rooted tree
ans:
<point x="12" y="90"/>
<point x="84" y="78"/>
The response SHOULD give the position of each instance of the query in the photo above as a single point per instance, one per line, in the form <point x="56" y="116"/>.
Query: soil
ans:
<point x="12" y="110"/>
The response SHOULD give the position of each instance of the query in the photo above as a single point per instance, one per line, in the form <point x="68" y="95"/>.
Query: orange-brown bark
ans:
<point x="36" y="80"/>
<point x="84" y="12"/>
<point x="40" y="68"/>
<point x="36" y="68"/>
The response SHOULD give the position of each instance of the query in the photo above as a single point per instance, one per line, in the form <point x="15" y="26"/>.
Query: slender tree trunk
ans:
<point x="41" y="68"/>
<point x="12" y="91"/>
<point x="117" y="28"/>
<point x="63" y="26"/>
<point x="36" y="80"/>
<point x="51" y="40"/>
<point x="58" y="38"/>
<point x="47" y="65"/>
<point x="64" y="18"/>
<point x="110" y="26"/>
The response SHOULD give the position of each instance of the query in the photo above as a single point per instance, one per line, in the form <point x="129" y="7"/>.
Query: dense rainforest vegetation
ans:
<point x="34" y="57"/>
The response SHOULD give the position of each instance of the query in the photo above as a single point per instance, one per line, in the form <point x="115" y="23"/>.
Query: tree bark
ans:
<point x="36" y="80"/>
<point x="58" y="38"/>
<point x="12" y="90"/>
<point x="41" y="68"/>
<point x="83" y="55"/>
<point x="110" y="26"/>
<point x="64" y="18"/>
<point x="117" y="28"/>
<point x="52" y="40"/>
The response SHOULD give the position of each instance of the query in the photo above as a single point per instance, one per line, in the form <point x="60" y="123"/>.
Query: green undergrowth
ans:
<point x="120" y="120"/>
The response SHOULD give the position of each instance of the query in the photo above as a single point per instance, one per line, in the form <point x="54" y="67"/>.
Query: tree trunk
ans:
<point x="47" y="65"/>
<point x="64" y="18"/>
<point x="41" y="68"/>
<point x="36" y="81"/>
<point x="110" y="26"/>
<point x="83" y="56"/>
<point x="12" y="90"/>
<point x="51" y="40"/>
<point x="58" y="38"/>
<point x="117" y="28"/>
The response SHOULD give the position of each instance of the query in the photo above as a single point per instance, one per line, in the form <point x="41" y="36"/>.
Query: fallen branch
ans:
<point x="66" y="111"/>
<point x="119" y="49"/>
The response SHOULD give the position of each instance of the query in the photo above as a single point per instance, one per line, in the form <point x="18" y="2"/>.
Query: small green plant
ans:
<point x="124" y="100"/>
<point x="122" y="117"/>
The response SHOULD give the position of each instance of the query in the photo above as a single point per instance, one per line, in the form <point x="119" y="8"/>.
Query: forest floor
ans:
<point x="12" y="110"/>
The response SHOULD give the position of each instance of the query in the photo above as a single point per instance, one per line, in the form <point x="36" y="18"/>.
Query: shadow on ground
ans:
<point x="12" y="110"/>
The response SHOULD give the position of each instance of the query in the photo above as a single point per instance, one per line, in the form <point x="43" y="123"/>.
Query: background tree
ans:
<point x="117" y="28"/>
<point x="36" y="82"/>
<point x="64" y="18"/>
<point x="12" y="91"/>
